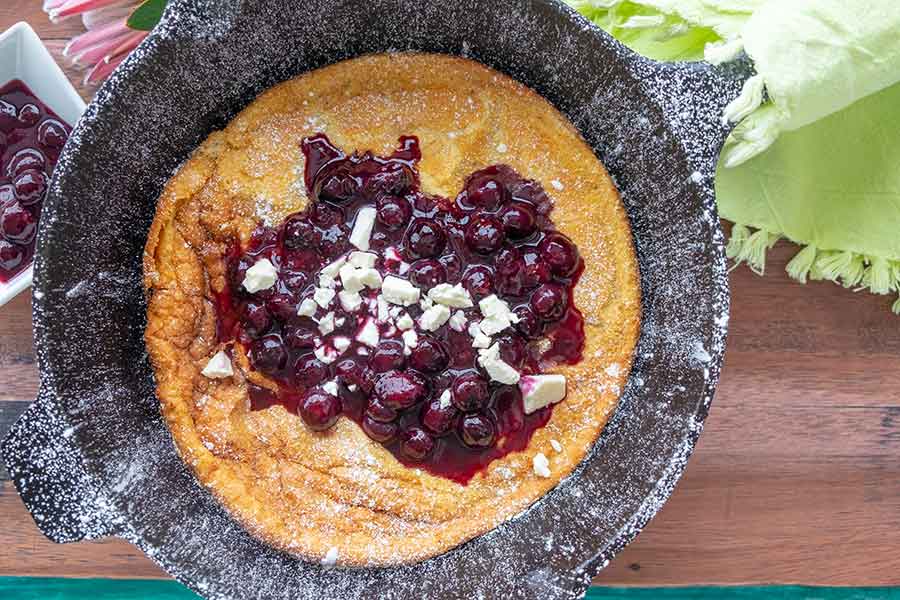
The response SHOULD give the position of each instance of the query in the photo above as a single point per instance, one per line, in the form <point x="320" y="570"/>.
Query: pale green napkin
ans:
<point x="816" y="156"/>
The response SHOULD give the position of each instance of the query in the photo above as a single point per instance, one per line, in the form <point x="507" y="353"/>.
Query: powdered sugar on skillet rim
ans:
<point x="561" y="563"/>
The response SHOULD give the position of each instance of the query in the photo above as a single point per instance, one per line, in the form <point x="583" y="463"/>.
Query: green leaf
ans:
<point x="147" y="15"/>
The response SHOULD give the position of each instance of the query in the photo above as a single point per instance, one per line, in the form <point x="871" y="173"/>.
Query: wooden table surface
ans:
<point x="796" y="478"/>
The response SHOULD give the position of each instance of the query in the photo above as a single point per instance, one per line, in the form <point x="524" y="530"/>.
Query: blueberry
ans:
<point x="378" y="431"/>
<point x="388" y="356"/>
<point x="518" y="220"/>
<point x="17" y="224"/>
<point x="52" y="134"/>
<point x="429" y="355"/>
<point x="11" y="256"/>
<point x="417" y="444"/>
<point x="309" y="371"/>
<point x="559" y="253"/>
<point x="320" y="410"/>
<point x="268" y="354"/>
<point x="399" y="390"/>
<point x="477" y="431"/>
<point x="485" y="234"/>
<point x="549" y="302"/>
<point x="469" y="392"/>
<point x="438" y="418"/>
<point x="425" y="239"/>
<point x="427" y="273"/>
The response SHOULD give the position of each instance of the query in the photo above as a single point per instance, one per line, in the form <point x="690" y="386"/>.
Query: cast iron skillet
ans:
<point x="92" y="457"/>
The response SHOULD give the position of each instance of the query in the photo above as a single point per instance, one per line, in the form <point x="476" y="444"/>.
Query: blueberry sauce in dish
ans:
<point x="413" y="315"/>
<point x="31" y="138"/>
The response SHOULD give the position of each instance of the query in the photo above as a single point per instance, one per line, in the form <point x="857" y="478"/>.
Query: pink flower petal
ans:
<point x="103" y="70"/>
<point x="94" y="37"/>
<point x="127" y="45"/>
<point x="77" y="7"/>
<point x="93" y="19"/>
<point x="51" y="4"/>
<point x="108" y="39"/>
<point x="97" y="53"/>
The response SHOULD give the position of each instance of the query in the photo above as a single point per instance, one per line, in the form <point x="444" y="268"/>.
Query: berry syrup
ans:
<point x="31" y="138"/>
<point x="432" y="406"/>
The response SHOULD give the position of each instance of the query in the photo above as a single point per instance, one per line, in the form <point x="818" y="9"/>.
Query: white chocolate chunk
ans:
<point x="331" y="558"/>
<point x="330" y="271"/>
<point x="323" y="296"/>
<point x="326" y="324"/>
<point x="494" y="324"/>
<point x="392" y="255"/>
<point x="399" y="291"/>
<point x="351" y="278"/>
<point x="307" y="308"/>
<point x="479" y="340"/>
<point x="404" y="322"/>
<point x="362" y="260"/>
<point x="382" y="310"/>
<point x="497" y="369"/>
<point x="454" y="296"/>
<point x="261" y="276"/>
<point x="362" y="229"/>
<point x="410" y="341"/>
<point x="539" y="391"/>
<point x="341" y="343"/>
<point x="218" y="367"/>
<point x="350" y="301"/>
<point x="444" y="400"/>
<point x="541" y="465"/>
<point x="557" y="447"/>
<point x="371" y="278"/>
<point x="497" y="315"/>
<point x="331" y="387"/>
<point x="458" y="321"/>
<point x="434" y="318"/>
<point x="368" y="334"/>
<point x="326" y="355"/>
<point x="493" y="305"/>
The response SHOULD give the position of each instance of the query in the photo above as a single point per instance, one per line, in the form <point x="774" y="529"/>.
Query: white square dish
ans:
<point x="23" y="56"/>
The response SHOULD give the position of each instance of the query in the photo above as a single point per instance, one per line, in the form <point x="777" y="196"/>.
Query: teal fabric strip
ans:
<point x="745" y="593"/>
<point x="37" y="588"/>
<point x="34" y="588"/>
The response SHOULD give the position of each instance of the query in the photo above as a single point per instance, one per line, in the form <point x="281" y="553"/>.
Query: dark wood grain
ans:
<point x="9" y="412"/>
<point x="24" y="552"/>
<point x="13" y="11"/>
<point x="796" y="478"/>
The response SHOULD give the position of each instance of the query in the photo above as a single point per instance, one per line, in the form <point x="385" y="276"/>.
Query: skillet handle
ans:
<point x="48" y="472"/>
<point x="694" y="96"/>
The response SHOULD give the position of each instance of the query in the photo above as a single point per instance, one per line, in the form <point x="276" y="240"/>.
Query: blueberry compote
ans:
<point x="431" y="405"/>
<point x="31" y="138"/>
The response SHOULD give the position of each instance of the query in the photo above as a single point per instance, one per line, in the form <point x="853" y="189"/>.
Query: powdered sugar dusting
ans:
<point x="653" y="126"/>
